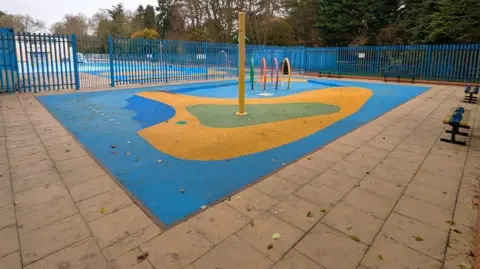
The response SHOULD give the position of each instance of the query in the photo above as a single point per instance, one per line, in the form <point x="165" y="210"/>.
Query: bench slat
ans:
<point x="467" y="89"/>
<point x="465" y="118"/>
<point x="457" y="116"/>
<point x="449" y="115"/>
<point x="476" y="90"/>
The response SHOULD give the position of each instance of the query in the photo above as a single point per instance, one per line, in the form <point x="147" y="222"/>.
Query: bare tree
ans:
<point x="71" y="24"/>
<point x="21" y="23"/>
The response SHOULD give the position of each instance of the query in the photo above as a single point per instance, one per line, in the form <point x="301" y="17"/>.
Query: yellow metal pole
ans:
<point x="241" y="64"/>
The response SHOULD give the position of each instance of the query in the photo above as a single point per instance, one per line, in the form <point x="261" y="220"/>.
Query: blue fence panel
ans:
<point x="9" y="76"/>
<point x="36" y="62"/>
<point x="146" y="61"/>
<point x="458" y="63"/>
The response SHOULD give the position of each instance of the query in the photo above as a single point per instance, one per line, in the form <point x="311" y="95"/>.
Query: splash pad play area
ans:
<point x="179" y="148"/>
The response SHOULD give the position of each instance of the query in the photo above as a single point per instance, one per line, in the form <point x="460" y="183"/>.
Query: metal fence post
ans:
<point x="206" y="61"/>
<point x="377" y="69"/>
<point x="429" y="59"/>
<point x="110" y="52"/>
<point x="75" y="62"/>
<point x="304" y="64"/>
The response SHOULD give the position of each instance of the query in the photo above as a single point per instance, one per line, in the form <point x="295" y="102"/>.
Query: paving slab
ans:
<point x="219" y="222"/>
<point x="177" y="247"/>
<point x="331" y="249"/>
<point x="51" y="238"/>
<point x="259" y="233"/>
<point x="298" y="212"/>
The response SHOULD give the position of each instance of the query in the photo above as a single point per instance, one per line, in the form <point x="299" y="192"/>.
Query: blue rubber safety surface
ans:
<point x="100" y="120"/>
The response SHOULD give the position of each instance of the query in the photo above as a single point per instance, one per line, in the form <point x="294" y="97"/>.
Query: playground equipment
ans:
<point x="263" y="73"/>
<point x="227" y="68"/>
<point x="241" y="67"/>
<point x="252" y="73"/>
<point x="274" y="64"/>
<point x="286" y="71"/>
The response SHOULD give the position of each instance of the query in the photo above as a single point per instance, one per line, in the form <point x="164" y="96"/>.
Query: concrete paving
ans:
<point x="387" y="195"/>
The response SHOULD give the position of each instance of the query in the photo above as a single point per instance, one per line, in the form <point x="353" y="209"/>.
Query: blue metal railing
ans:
<point x="36" y="62"/>
<point x="458" y="63"/>
<point x="41" y="62"/>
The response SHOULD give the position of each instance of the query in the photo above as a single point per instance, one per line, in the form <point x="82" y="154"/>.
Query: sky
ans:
<point x="52" y="11"/>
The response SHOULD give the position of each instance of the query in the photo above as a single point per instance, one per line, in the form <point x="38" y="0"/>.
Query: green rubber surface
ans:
<point x="223" y="116"/>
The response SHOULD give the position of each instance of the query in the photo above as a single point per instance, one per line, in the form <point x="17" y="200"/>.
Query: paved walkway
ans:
<point x="388" y="195"/>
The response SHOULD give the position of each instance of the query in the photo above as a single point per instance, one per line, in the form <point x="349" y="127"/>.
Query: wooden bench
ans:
<point x="329" y="72"/>
<point x="398" y="75"/>
<point x="470" y="92"/>
<point x="457" y="117"/>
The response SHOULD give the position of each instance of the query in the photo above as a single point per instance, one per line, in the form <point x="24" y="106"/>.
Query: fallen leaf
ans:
<point x="465" y="265"/>
<point x="368" y="173"/>
<point x="308" y="158"/>
<point x="309" y="214"/>
<point x="159" y="161"/>
<point x="451" y="222"/>
<point x="323" y="210"/>
<point x="275" y="236"/>
<point x="239" y="197"/>
<point x="455" y="230"/>
<point x="67" y="150"/>
<point x="417" y="238"/>
<point x="270" y="246"/>
<point x="370" y="213"/>
<point x="356" y="238"/>
<point x="398" y="185"/>
<point x="229" y="198"/>
<point x="380" y="257"/>
<point x="142" y="257"/>
<point x="475" y="201"/>
<point x="444" y="192"/>
<point x="252" y="223"/>
<point x="203" y="207"/>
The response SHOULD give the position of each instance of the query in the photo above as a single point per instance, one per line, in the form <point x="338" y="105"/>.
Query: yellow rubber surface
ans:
<point x="194" y="141"/>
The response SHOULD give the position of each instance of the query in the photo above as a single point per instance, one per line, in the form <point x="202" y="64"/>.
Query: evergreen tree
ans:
<point x="117" y="16"/>
<point x="149" y="17"/>
<point x="417" y="18"/>
<point x="456" y="21"/>
<point x="138" y="19"/>
<point x="164" y="16"/>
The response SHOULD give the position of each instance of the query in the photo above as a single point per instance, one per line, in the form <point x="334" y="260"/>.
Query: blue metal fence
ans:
<point x="8" y="61"/>
<point x="39" y="62"/>
<point x="457" y="63"/>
